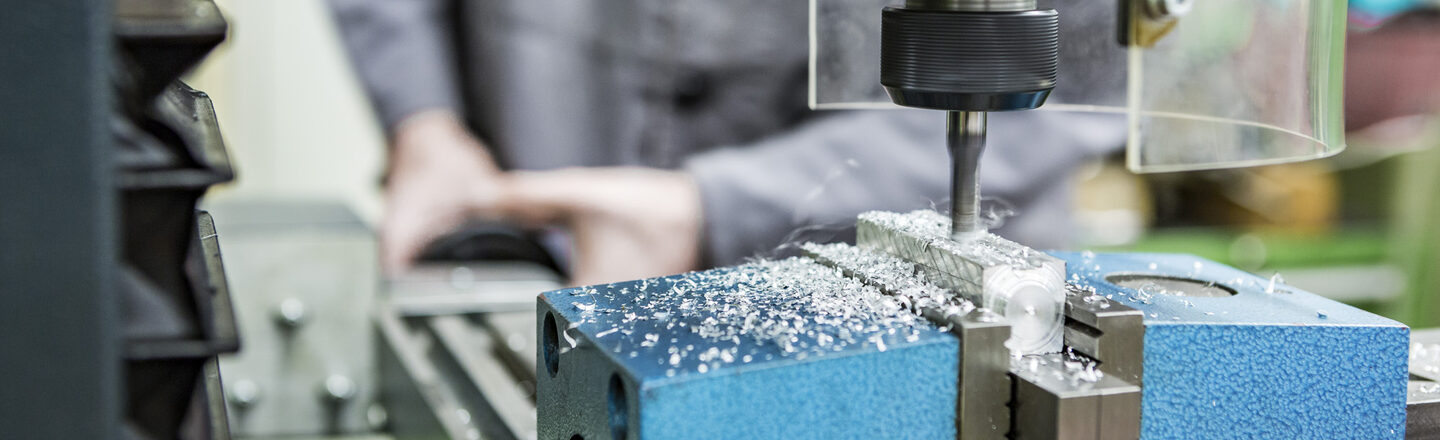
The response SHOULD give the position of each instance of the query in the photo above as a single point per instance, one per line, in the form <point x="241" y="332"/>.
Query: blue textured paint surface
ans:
<point x="1286" y="365"/>
<point x="906" y="390"/>
<point x="1254" y="365"/>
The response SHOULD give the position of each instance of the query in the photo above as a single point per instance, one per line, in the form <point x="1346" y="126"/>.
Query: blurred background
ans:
<point x="1356" y="227"/>
<point x="291" y="108"/>
<point x="122" y="115"/>
<point x="309" y="156"/>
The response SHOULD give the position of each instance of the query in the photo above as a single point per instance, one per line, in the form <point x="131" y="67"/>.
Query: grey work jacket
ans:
<point x="716" y="88"/>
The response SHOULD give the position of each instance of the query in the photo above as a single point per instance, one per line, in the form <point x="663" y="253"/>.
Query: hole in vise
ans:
<point x="550" y="343"/>
<point x="1171" y="285"/>
<point x="619" y="407"/>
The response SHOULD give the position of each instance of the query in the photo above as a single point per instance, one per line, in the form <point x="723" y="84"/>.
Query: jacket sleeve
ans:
<point x="822" y="174"/>
<point x="402" y="53"/>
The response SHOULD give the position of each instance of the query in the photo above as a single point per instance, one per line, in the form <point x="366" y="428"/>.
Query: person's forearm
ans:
<point x="425" y="126"/>
<point x="752" y="196"/>
<point x="423" y="137"/>
<point x="402" y="55"/>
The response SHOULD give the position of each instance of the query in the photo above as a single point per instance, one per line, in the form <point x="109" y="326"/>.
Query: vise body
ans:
<point x="901" y="336"/>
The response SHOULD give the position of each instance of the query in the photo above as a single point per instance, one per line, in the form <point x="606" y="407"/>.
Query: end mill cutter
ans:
<point x="968" y="57"/>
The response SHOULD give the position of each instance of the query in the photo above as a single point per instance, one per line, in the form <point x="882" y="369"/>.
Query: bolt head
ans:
<point x="291" y="312"/>
<point x="243" y="393"/>
<point x="338" y="388"/>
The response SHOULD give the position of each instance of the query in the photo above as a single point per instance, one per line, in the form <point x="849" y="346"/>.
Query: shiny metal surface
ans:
<point x="1057" y="402"/>
<point x="1023" y="285"/>
<point x="1051" y="404"/>
<point x="983" y="410"/>
<point x="1109" y="332"/>
<point x="965" y="137"/>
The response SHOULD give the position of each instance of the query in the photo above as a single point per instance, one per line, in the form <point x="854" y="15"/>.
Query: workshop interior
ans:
<point x="196" y="195"/>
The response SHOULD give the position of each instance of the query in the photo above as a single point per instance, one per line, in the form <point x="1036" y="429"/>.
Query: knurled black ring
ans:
<point x="976" y="61"/>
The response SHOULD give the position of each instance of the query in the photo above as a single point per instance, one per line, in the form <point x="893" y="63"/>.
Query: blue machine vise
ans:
<point x="850" y="342"/>
<point x="1240" y="356"/>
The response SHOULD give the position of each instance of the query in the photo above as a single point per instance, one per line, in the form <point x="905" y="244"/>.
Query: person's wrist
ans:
<point x="427" y="123"/>
<point x="432" y="135"/>
<point x="427" y="128"/>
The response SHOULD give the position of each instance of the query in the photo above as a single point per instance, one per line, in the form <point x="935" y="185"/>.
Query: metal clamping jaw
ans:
<point x="1040" y="395"/>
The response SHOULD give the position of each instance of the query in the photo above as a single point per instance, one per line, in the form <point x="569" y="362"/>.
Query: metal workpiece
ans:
<point x="893" y="276"/>
<point x="1422" y="410"/>
<point x="965" y="137"/>
<point x="1023" y="285"/>
<point x="982" y="409"/>
<point x="1107" y="331"/>
<point x="1064" y="398"/>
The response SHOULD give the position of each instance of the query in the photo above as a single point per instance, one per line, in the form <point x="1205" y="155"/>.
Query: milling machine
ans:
<point x="930" y="327"/>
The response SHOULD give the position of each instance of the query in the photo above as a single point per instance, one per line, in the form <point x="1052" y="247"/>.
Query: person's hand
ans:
<point x="626" y="223"/>
<point x="440" y="175"/>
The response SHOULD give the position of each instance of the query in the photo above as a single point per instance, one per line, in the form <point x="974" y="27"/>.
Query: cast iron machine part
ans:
<point x="968" y="57"/>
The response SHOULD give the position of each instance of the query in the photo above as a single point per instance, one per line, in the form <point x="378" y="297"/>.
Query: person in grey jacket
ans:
<point x="667" y="135"/>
